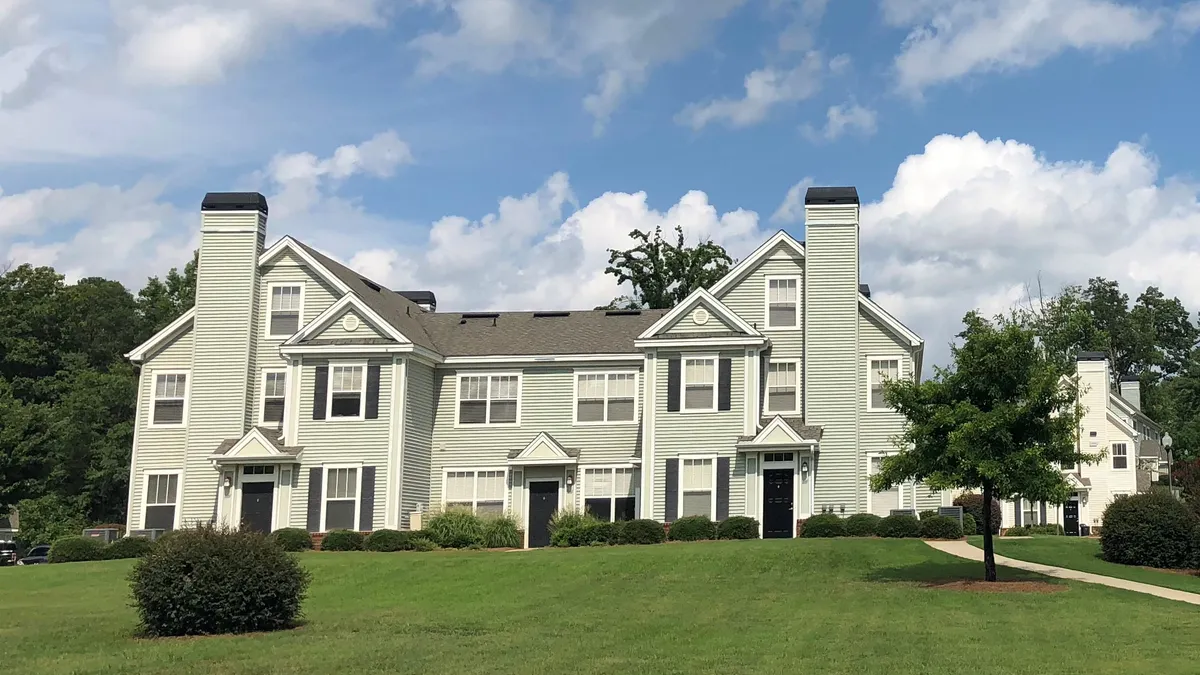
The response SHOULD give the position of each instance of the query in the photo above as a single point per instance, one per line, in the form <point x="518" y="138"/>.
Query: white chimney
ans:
<point x="1131" y="390"/>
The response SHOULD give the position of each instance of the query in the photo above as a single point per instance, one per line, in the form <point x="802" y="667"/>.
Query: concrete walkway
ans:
<point x="964" y="550"/>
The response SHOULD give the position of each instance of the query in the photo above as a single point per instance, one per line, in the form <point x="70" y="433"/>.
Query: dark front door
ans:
<point x="1071" y="517"/>
<point x="779" y="518"/>
<point x="543" y="502"/>
<point x="256" y="506"/>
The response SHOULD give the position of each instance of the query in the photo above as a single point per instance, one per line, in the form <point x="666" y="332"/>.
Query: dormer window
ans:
<point x="287" y="301"/>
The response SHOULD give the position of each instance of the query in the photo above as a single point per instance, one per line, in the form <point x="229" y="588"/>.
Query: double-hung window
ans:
<point x="697" y="493"/>
<point x="346" y="391"/>
<point x="286" y="303"/>
<point x="605" y="397"/>
<point x="162" y="500"/>
<point x="881" y="371"/>
<point x="481" y="492"/>
<point x="781" y="387"/>
<point x="170" y="399"/>
<point x="488" y="399"/>
<point x="608" y="494"/>
<point x="700" y="384"/>
<point x="274" y="388"/>
<point x="1029" y="513"/>
<point x="341" y="498"/>
<point x="781" y="303"/>
<point x="1120" y="456"/>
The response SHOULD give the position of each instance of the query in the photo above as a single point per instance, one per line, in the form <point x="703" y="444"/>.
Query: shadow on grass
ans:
<point x="933" y="573"/>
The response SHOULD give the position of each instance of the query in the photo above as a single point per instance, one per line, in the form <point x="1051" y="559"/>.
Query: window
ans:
<point x="488" y="399"/>
<point x="161" y="498"/>
<point x="274" y="388"/>
<point x="781" y="387"/>
<point x="882" y="503"/>
<point x="286" y="302"/>
<point x="1068" y="466"/>
<point x="170" y="398"/>
<point x="605" y="397"/>
<point x="1120" y="456"/>
<point x="1029" y="512"/>
<point x="608" y="494"/>
<point x="346" y="391"/>
<point x="781" y="303"/>
<point x="341" y="499"/>
<point x="882" y="370"/>
<point x="778" y="457"/>
<point x="258" y="471"/>
<point x="696" y="488"/>
<point x="479" y="491"/>
<point x="700" y="384"/>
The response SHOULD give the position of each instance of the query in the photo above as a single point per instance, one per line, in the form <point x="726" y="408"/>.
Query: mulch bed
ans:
<point x="976" y="586"/>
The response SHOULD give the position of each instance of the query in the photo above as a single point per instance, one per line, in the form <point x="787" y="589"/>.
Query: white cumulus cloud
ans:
<point x="840" y="119"/>
<point x="765" y="89"/>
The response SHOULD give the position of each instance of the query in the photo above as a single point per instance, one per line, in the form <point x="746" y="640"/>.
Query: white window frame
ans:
<point x="612" y="510"/>
<point x="899" y="487"/>
<point x="767" y="301"/>
<point x="446" y="471"/>
<point x="187" y="398"/>
<point x="716" y="383"/>
<point x="362" y="392"/>
<point x="605" y="422"/>
<point x="262" y="394"/>
<point x="146" y="491"/>
<point x="767" y="385"/>
<point x="870" y="370"/>
<point x="712" y="504"/>
<point x="1124" y="454"/>
<point x="458" y="424"/>
<point x="271" y="295"/>
<point x="325" y="469"/>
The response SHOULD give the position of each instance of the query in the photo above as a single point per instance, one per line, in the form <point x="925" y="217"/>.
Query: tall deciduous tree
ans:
<point x="998" y="419"/>
<point x="162" y="301"/>
<point x="663" y="272"/>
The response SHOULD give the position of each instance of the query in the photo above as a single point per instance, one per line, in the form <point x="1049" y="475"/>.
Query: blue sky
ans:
<point x="491" y="150"/>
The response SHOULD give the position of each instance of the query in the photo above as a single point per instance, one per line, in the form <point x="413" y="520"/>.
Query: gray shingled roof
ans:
<point x="272" y="435"/>
<point x="807" y="432"/>
<point x="523" y="334"/>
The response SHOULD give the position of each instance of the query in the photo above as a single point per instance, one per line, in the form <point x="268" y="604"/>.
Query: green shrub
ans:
<point x="565" y="518"/>
<point x="927" y="513"/>
<point x="641" y="531"/>
<point x="738" y="527"/>
<point x="76" y="549"/>
<point x="342" y="540"/>
<point x="455" y="528"/>
<point x="972" y="503"/>
<point x="862" y="525"/>
<point x="594" y="533"/>
<point x="47" y="519"/>
<point x="128" y="547"/>
<point x="1150" y="529"/>
<point x="422" y="544"/>
<point x="292" y="539"/>
<point x="899" y="526"/>
<point x="692" y="528"/>
<point x="210" y="580"/>
<point x="501" y="532"/>
<point x="387" y="541"/>
<point x="968" y="524"/>
<point x="824" y="525"/>
<point x="1018" y="531"/>
<point x="1047" y="529"/>
<point x="1194" y="558"/>
<point x="941" y="527"/>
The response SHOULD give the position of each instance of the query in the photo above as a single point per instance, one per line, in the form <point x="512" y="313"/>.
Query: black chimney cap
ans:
<point x="831" y="195"/>
<point x="420" y="297"/>
<point x="1091" y="356"/>
<point x="865" y="289"/>
<point x="234" y="201"/>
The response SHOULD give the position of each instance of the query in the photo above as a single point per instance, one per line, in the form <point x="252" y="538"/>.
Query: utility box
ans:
<point x="105" y="534"/>
<point x="149" y="534"/>
<point x="903" y="512"/>
<point x="955" y="512"/>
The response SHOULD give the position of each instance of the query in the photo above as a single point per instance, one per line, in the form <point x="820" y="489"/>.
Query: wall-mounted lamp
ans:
<point x="804" y="466"/>
<point x="570" y="479"/>
<point x="228" y="481"/>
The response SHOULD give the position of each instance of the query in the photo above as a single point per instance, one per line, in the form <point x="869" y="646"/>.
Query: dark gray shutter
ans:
<point x="724" y="384"/>
<point x="1043" y="514"/>
<point x="314" y="499"/>
<point x="722" y="488"/>
<point x="320" y="392"/>
<point x="1017" y="512"/>
<point x="673" y="379"/>
<point x="671" y="493"/>
<point x="372" y="392"/>
<point x="366" y="514"/>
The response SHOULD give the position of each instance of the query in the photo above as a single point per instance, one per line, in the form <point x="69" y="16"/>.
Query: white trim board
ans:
<point x="176" y="327"/>
<point x="287" y="243"/>
<point x="751" y="262"/>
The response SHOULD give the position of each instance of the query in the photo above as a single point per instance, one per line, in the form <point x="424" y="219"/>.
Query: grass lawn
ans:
<point x="1083" y="554"/>
<point x="827" y="606"/>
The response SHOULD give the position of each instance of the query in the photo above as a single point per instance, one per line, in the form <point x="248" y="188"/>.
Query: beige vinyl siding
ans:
<point x="877" y="427"/>
<point x="334" y="441"/>
<point x="418" y="439"/>
<point x="685" y="325"/>
<point x="707" y="433"/>
<point x="546" y="404"/>
<point x="335" y="331"/>
<point x="158" y="449"/>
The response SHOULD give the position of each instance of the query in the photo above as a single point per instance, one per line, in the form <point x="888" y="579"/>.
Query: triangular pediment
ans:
<point x="1075" y="483"/>
<point x="701" y="319"/>
<point x="722" y="318"/>
<point x="254" y="445"/>
<point x="331" y="320"/>
<point x="350" y="325"/>
<point x="778" y="432"/>
<point x="543" y="449"/>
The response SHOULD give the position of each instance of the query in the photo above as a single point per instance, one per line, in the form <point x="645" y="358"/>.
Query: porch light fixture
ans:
<point x="804" y="466"/>
<point x="228" y="481"/>
<point x="570" y="479"/>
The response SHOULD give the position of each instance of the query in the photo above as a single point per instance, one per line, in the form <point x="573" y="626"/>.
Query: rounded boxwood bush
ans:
<point x="738" y="527"/>
<point x="899" y="526"/>
<point x="824" y="525"/>
<point x="862" y="525"/>
<point x="1018" y="531"/>
<point x="342" y="540"/>
<point x="1152" y="529"/>
<point x="292" y="539"/>
<point x="210" y="580"/>
<point x="941" y="527"/>
<point x="76" y="549"/>
<point x="128" y="547"/>
<point x="455" y="528"/>
<point x="501" y="532"/>
<point x="692" y="528"/>
<point x="386" y="541"/>
<point x="927" y="513"/>
<point x="972" y="503"/>
<point x="968" y="524"/>
<point x="594" y="533"/>
<point x="641" y="531"/>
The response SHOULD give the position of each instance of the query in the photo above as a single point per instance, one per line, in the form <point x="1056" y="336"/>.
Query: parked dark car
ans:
<point x="36" y="555"/>
<point x="8" y="553"/>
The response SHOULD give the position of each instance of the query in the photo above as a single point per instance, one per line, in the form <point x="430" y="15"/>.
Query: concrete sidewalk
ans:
<point x="964" y="550"/>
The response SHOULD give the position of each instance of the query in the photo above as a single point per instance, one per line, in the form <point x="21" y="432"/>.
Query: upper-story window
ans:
<point x="346" y="391"/>
<point x="488" y="399"/>
<point x="781" y="387"/>
<point x="781" y="302"/>
<point x="881" y="371"/>
<point x="286" y="303"/>
<point x="700" y="383"/>
<point x="274" y="395"/>
<point x="1120" y="456"/>
<point x="170" y="399"/>
<point x="605" y="397"/>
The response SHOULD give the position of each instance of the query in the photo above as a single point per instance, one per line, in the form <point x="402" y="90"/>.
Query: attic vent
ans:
<point x="479" y="315"/>
<point x="371" y="285"/>
<point x="548" y="315"/>
<point x="622" y="312"/>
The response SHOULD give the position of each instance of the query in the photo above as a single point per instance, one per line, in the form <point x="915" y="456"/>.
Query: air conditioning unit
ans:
<point x="105" y="534"/>
<point x="903" y="512"/>
<point x="149" y="534"/>
<point x="955" y="512"/>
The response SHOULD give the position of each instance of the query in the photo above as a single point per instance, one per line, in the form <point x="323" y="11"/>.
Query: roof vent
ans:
<point x="479" y="315"/>
<point x="424" y="299"/>
<point x="548" y="315"/>
<point x="622" y="312"/>
<point x="370" y="284"/>
<point x="865" y="289"/>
